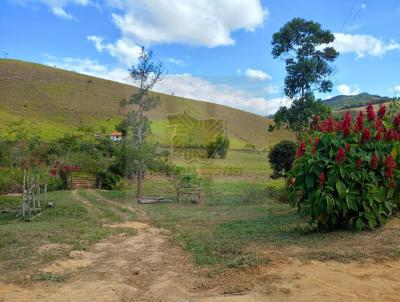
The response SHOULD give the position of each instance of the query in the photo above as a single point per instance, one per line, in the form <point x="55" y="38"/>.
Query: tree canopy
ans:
<point x="304" y="47"/>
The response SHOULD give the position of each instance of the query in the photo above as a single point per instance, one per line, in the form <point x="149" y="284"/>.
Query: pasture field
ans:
<point x="239" y="224"/>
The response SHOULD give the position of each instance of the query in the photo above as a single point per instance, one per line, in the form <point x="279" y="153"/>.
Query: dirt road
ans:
<point x="145" y="267"/>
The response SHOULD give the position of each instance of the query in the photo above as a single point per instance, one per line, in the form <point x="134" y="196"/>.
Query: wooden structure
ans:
<point x="194" y="193"/>
<point x="82" y="181"/>
<point x="31" y="196"/>
<point x="149" y="200"/>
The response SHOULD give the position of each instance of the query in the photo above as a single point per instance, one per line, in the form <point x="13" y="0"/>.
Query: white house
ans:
<point x="116" y="136"/>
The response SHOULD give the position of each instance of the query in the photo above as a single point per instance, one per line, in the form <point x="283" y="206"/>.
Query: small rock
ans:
<point x="50" y="204"/>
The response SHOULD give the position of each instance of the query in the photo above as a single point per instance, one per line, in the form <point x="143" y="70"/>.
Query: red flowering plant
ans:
<point x="346" y="172"/>
<point x="63" y="171"/>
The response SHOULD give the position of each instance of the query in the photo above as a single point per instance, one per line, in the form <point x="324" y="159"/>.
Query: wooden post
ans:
<point x="23" y="196"/>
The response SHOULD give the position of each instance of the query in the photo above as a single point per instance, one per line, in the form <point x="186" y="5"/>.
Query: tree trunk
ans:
<point x="139" y="184"/>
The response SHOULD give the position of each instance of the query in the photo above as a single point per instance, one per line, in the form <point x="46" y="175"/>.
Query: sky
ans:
<point x="212" y="50"/>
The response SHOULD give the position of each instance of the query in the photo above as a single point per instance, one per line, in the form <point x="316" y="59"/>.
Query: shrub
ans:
<point x="281" y="157"/>
<point x="346" y="174"/>
<point x="108" y="181"/>
<point x="189" y="179"/>
<point x="218" y="147"/>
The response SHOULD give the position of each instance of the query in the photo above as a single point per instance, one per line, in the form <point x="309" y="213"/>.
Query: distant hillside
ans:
<point x="341" y="102"/>
<point x="57" y="100"/>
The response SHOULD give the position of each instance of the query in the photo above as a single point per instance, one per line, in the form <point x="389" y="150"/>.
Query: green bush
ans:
<point x="218" y="147"/>
<point x="346" y="174"/>
<point x="281" y="157"/>
<point x="108" y="181"/>
<point x="189" y="179"/>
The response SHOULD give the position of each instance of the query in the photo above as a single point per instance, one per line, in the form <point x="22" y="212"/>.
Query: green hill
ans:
<point x="340" y="102"/>
<point x="57" y="100"/>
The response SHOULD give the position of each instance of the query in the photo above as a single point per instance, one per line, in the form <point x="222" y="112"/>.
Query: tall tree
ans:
<point x="145" y="74"/>
<point x="303" y="46"/>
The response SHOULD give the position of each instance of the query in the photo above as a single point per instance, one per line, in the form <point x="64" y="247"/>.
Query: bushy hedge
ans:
<point x="346" y="172"/>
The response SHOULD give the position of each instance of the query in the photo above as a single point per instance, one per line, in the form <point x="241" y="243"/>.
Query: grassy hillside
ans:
<point x="341" y="101"/>
<point x="57" y="100"/>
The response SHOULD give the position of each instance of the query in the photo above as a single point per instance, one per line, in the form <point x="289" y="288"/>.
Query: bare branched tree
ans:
<point x="145" y="74"/>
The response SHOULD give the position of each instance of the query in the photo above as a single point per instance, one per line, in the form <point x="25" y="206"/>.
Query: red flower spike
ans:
<point x="340" y="155"/>
<point x="378" y="136"/>
<point x="374" y="162"/>
<point x="379" y="125"/>
<point x="396" y="121"/>
<point x="365" y="136"/>
<point x="292" y="181"/>
<point x="370" y="112"/>
<point x="301" y="150"/>
<point x="382" y="111"/>
<point x="358" y="164"/>
<point x="322" y="178"/>
<point x="346" y="123"/>
<point x="390" y="135"/>
<point x="359" y="125"/>
<point x="390" y="165"/>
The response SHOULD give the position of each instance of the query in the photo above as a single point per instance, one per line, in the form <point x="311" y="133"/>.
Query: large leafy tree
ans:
<point x="303" y="46"/>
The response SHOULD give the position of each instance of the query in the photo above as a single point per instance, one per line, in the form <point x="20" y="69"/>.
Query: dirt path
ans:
<point x="145" y="267"/>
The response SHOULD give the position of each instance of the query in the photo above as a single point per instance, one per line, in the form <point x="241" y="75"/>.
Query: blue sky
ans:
<point x="214" y="50"/>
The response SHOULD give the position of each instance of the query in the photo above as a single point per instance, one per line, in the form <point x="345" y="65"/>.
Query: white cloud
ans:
<point x="57" y="7"/>
<point x="91" y="67"/>
<point x="348" y="90"/>
<point x="207" y="23"/>
<point x="175" y="61"/>
<point x="184" y="85"/>
<point x="363" y="45"/>
<point x="188" y="86"/>
<point x="124" y="50"/>
<point x="397" y="88"/>
<point x="257" y="75"/>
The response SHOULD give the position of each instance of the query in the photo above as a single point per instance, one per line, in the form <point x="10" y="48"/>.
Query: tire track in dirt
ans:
<point x="115" y="204"/>
<point x="86" y="203"/>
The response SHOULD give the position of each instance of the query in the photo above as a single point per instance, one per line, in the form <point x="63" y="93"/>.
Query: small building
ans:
<point x="116" y="136"/>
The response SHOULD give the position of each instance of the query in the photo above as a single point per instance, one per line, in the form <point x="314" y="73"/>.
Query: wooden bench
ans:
<point x="194" y="192"/>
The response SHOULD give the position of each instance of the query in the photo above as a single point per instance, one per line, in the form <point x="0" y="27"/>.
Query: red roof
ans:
<point x="116" y="133"/>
